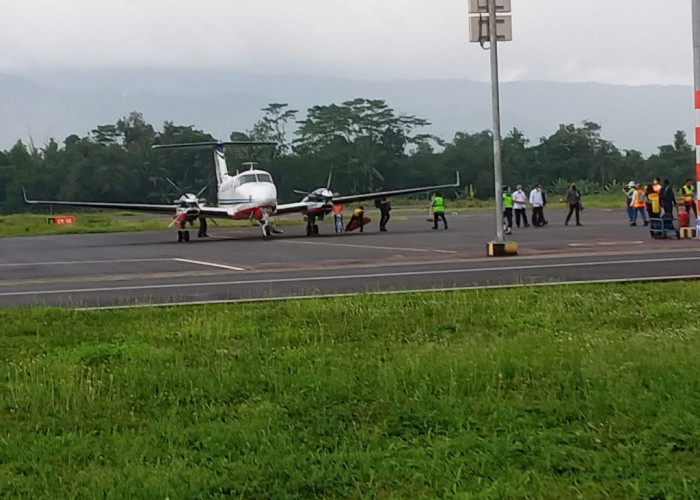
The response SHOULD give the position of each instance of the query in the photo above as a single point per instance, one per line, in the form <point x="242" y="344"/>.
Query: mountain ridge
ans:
<point x="59" y="103"/>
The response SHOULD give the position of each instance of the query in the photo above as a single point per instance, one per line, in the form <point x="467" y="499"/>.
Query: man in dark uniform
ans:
<point x="384" y="209"/>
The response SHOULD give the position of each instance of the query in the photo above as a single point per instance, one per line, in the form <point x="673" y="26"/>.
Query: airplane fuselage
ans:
<point x="248" y="195"/>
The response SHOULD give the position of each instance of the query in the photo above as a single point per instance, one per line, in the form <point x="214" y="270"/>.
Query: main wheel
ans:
<point x="186" y="235"/>
<point x="315" y="228"/>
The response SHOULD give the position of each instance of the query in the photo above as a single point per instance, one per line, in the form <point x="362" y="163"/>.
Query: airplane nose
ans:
<point x="264" y="194"/>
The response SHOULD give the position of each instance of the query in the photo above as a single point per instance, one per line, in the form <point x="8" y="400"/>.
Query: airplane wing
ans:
<point x="382" y="194"/>
<point x="142" y="207"/>
<point x="136" y="207"/>
<point x="290" y="208"/>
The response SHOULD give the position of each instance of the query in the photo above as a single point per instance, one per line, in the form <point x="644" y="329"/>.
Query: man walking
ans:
<point x="537" y="203"/>
<point x="438" y="211"/>
<point x="507" y="209"/>
<point x="519" y="205"/>
<point x="573" y="198"/>
<point x="384" y="209"/>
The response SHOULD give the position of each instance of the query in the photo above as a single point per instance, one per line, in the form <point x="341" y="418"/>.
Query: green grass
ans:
<point x="563" y="392"/>
<point x="102" y="222"/>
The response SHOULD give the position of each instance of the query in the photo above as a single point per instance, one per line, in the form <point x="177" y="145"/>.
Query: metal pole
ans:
<point x="497" y="177"/>
<point x="696" y="81"/>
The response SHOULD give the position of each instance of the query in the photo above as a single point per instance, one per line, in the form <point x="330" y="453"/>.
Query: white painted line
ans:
<point x="211" y="264"/>
<point x="394" y="292"/>
<point x="376" y="247"/>
<point x="78" y="262"/>
<point x="350" y="277"/>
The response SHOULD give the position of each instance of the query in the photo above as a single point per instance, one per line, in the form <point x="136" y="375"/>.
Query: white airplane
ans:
<point x="250" y="195"/>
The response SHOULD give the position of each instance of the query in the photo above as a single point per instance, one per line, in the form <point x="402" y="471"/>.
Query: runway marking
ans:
<point x="393" y="292"/>
<point x="74" y="262"/>
<point x="606" y="243"/>
<point x="376" y="247"/>
<point x="343" y="277"/>
<point x="212" y="264"/>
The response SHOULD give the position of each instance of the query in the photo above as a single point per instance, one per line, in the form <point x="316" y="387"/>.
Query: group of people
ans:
<point x="516" y="203"/>
<point x="649" y="200"/>
<point x="357" y="220"/>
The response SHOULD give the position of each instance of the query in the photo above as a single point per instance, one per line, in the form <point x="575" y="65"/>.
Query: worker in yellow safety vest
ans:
<point x="438" y="211"/>
<point x="688" y="194"/>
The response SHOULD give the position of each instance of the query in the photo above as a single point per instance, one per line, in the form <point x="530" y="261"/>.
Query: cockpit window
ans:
<point x="264" y="177"/>
<point x="246" y="178"/>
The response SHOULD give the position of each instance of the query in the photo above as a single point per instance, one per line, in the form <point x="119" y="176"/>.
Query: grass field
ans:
<point x="555" y="393"/>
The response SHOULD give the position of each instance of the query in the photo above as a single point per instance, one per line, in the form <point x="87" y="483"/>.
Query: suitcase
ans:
<point x="356" y="223"/>
<point x="683" y="219"/>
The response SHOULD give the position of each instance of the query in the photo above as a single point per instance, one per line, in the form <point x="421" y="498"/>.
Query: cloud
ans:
<point x="626" y="41"/>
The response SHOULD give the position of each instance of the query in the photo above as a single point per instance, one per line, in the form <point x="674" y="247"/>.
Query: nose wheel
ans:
<point x="183" y="235"/>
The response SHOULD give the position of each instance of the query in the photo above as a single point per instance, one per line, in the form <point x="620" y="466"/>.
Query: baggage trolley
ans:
<point x="661" y="227"/>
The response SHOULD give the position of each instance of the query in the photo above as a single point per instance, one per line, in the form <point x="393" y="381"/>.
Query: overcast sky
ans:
<point x="632" y="42"/>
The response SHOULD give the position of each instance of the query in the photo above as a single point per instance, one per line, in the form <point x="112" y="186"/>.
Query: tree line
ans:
<point x="363" y="142"/>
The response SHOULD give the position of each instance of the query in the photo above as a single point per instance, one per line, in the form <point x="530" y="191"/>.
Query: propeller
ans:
<point x="322" y="194"/>
<point x="187" y="196"/>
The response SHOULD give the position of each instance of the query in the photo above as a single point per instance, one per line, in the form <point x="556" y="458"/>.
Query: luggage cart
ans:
<point x="661" y="226"/>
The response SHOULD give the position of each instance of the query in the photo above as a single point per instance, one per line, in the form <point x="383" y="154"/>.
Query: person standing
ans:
<point x="519" y="205"/>
<point x="338" y="217"/>
<point x="668" y="200"/>
<point x="688" y="194"/>
<point x="438" y="205"/>
<point x="507" y="210"/>
<point x="202" y="233"/>
<point x="536" y="202"/>
<point x="629" y="194"/>
<point x="573" y="198"/>
<point x="384" y="209"/>
<point x="638" y="204"/>
<point x="654" y="209"/>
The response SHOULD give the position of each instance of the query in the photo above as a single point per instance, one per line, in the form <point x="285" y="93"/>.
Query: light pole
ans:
<point x="496" y="112"/>
<point x="495" y="28"/>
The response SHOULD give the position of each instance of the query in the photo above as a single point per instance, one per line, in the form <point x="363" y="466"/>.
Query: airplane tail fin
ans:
<point x="220" y="164"/>
<point x="219" y="157"/>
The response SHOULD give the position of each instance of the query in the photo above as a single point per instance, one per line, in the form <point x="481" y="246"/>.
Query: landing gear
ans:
<point x="311" y="226"/>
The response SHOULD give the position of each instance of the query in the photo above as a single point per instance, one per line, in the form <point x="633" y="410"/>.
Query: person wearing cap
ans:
<point x="629" y="193"/>
<point x="507" y="209"/>
<point x="519" y="204"/>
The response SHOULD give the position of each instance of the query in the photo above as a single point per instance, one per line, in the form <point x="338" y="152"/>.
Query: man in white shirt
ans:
<point x="537" y="202"/>
<point x="519" y="205"/>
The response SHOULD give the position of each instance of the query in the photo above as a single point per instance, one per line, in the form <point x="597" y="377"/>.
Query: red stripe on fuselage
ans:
<point x="254" y="211"/>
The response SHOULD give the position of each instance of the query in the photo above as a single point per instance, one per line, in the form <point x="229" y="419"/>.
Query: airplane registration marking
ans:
<point x="376" y="247"/>
<point x="212" y="264"/>
<point x="357" y="276"/>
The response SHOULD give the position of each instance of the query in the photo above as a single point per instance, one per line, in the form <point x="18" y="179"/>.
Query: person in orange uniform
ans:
<point x="638" y="205"/>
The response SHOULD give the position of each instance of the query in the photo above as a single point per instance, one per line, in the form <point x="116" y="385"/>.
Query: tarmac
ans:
<point x="236" y="264"/>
